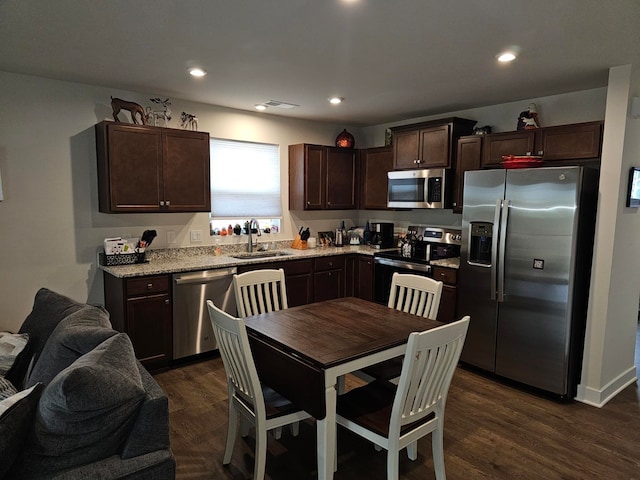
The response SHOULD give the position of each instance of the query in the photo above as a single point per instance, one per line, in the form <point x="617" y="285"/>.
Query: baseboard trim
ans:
<point x="600" y="397"/>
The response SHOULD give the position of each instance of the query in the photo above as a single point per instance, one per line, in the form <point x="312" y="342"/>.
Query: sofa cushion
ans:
<point x="86" y="412"/>
<point x="16" y="417"/>
<point x="77" y="334"/>
<point x="6" y="389"/>
<point x="11" y="345"/>
<point x="49" y="308"/>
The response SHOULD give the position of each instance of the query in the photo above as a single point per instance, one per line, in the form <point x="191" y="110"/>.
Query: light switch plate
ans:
<point x="196" y="236"/>
<point x="171" y="236"/>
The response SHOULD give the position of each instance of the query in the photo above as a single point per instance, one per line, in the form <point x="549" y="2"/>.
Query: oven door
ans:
<point x="384" y="269"/>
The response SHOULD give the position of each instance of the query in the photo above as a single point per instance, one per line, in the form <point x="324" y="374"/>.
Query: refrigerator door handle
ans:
<point x="504" y="220"/>
<point x="494" y="247"/>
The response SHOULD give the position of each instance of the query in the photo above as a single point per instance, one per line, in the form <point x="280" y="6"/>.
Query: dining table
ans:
<point x="302" y="352"/>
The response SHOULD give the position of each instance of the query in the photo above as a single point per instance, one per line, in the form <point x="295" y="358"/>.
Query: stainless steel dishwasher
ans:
<point x="192" y="332"/>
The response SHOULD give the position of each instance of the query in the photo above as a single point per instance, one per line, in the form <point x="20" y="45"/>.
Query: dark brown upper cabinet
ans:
<point x="322" y="178"/>
<point x="579" y="141"/>
<point x="374" y="182"/>
<point x="146" y="169"/>
<point x="428" y="144"/>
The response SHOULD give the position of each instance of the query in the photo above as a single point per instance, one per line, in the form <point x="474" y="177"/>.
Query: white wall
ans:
<point x="50" y="227"/>
<point x="608" y="364"/>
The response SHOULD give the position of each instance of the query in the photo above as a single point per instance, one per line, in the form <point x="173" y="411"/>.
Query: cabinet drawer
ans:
<point x="145" y="285"/>
<point x="445" y="275"/>
<point x="297" y="267"/>
<point x="329" y="263"/>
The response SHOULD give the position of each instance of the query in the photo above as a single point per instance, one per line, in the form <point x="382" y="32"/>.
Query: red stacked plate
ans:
<point x="521" y="161"/>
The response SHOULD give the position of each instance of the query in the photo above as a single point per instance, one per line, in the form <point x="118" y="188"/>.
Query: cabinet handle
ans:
<point x="149" y="286"/>
<point x="166" y="302"/>
<point x="328" y="203"/>
<point x="331" y="264"/>
<point x="329" y="273"/>
<point x="308" y="202"/>
<point x="540" y="152"/>
<point x="168" y="203"/>
<point x="162" y="203"/>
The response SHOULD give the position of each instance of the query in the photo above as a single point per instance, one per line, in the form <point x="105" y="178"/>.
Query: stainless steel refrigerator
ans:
<point x="525" y="266"/>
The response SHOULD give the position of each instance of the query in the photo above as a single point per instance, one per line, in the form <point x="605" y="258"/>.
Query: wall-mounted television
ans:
<point x="633" y="194"/>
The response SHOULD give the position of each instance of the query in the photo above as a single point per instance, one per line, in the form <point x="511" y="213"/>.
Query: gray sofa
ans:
<point x="93" y="411"/>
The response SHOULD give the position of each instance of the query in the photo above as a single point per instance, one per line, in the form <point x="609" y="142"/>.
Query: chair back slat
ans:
<point x="260" y="291"/>
<point x="415" y="294"/>
<point x="427" y="370"/>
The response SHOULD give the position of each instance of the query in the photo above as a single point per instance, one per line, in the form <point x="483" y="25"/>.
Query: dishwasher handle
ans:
<point x="204" y="276"/>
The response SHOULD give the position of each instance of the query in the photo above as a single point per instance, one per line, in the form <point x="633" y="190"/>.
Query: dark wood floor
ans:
<point x="492" y="431"/>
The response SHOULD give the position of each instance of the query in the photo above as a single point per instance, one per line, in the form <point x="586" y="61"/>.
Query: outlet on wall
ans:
<point x="196" y="236"/>
<point x="171" y="236"/>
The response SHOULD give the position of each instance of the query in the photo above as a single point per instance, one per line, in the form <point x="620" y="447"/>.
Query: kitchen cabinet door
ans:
<point x="364" y="278"/>
<point x="298" y="278"/>
<point x="141" y="308"/>
<point x="375" y="163"/>
<point x="468" y="157"/>
<point x="329" y="278"/>
<point x="129" y="174"/>
<point x="447" y="312"/>
<point x="570" y="142"/>
<point x="314" y="167"/>
<point x="434" y="147"/>
<point x="341" y="178"/>
<point x="185" y="166"/>
<point x="511" y="143"/>
<point x="406" y="149"/>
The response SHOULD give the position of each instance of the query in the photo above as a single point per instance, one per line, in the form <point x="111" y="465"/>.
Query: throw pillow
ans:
<point x="16" y="420"/>
<point x="49" y="308"/>
<point x="86" y="412"/>
<point x="11" y="344"/>
<point x="6" y="388"/>
<point x="74" y="336"/>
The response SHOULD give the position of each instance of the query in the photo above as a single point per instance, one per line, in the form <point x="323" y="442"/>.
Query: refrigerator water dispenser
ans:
<point x="480" y="243"/>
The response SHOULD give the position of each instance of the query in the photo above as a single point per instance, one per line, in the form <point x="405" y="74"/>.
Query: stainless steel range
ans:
<point x="422" y="246"/>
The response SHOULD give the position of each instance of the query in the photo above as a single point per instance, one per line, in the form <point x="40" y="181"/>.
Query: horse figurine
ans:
<point x="157" y="115"/>
<point x="133" y="108"/>
<point x="188" y="121"/>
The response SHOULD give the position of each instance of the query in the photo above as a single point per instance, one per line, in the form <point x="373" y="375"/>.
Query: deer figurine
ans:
<point x="133" y="108"/>
<point x="188" y="121"/>
<point x="157" y="115"/>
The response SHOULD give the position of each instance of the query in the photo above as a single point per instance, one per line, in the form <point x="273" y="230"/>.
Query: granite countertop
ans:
<point x="175" y="260"/>
<point x="447" y="262"/>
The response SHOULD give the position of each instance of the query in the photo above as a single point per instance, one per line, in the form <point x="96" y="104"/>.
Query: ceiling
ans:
<point x="390" y="60"/>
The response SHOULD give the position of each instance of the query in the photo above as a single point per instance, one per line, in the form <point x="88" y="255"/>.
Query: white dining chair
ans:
<point x="256" y="403"/>
<point x="260" y="291"/>
<point x="394" y="417"/>
<point x="413" y="294"/>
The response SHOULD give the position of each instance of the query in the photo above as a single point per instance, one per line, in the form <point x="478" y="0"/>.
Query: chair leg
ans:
<point x="261" y="452"/>
<point x="393" y="464"/>
<point x="412" y="450"/>
<point x="232" y="432"/>
<point x="437" y="446"/>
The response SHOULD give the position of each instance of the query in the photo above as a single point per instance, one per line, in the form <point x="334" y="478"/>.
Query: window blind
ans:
<point x="245" y="179"/>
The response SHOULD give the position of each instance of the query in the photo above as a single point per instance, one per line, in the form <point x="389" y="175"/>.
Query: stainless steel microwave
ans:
<point x="426" y="188"/>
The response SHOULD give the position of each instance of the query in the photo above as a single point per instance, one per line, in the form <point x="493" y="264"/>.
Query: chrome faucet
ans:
<point x="248" y="226"/>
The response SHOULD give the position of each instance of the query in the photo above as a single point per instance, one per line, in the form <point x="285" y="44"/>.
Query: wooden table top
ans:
<point x="328" y="333"/>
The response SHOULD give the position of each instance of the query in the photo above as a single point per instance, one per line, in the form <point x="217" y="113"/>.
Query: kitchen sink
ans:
<point x="245" y="256"/>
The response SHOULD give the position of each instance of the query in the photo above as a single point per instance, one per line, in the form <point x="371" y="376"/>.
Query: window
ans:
<point x="245" y="180"/>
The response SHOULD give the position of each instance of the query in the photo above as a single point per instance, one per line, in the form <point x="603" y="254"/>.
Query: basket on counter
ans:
<point x="122" y="259"/>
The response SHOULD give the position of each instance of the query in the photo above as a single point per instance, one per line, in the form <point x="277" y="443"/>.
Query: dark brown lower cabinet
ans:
<point x="447" y="311"/>
<point x="329" y="278"/>
<point x="298" y="277"/>
<point x="141" y="308"/>
<point x="363" y="277"/>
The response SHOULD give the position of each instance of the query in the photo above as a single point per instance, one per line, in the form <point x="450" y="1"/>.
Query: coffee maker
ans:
<point x="382" y="235"/>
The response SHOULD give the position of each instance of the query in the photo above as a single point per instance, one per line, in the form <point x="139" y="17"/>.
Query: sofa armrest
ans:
<point x="158" y="465"/>
<point x="150" y="430"/>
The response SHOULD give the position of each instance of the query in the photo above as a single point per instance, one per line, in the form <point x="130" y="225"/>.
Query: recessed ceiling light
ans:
<point x="197" y="72"/>
<point x="336" y="100"/>
<point x="260" y="107"/>
<point x="507" y="56"/>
